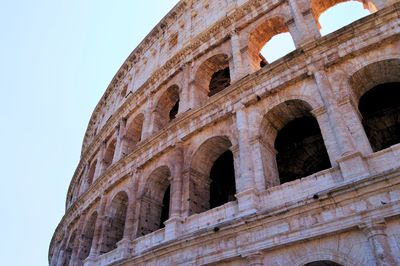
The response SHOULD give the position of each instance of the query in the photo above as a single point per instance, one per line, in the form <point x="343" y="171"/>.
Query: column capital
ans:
<point x="373" y="228"/>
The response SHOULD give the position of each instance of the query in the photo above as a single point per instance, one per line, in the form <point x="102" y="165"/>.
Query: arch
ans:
<point x="133" y="133"/>
<point x="92" y="170"/>
<point x="212" y="76"/>
<point x="261" y="35"/>
<point x="109" y="154"/>
<point x="331" y="255"/>
<point x="322" y="263"/>
<point x="375" y="88"/>
<point x="319" y="8"/>
<point x="115" y="226"/>
<point x="69" y="248"/>
<point x="167" y="107"/>
<point x="292" y="143"/>
<point x="206" y="176"/>
<point x="154" y="199"/>
<point x="87" y="237"/>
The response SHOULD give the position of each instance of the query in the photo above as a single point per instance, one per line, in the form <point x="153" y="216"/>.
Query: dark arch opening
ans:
<point x="322" y="263"/>
<point x="165" y="207"/>
<point x="116" y="224"/>
<point x="301" y="149"/>
<point x="87" y="237"/>
<point x="155" y="201"/>
<point x="69" y="249"/>
<point x="174" y="111"/>
<point x="219" y="81"/>
<point x="222" y="175"/>
<point x="380" y="109"/>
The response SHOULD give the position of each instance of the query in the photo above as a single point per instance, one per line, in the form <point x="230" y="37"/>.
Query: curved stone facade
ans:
<point x="202" y="153"/>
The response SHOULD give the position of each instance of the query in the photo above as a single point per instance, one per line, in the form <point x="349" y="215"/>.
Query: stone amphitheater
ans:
<point x="201" y="152"/>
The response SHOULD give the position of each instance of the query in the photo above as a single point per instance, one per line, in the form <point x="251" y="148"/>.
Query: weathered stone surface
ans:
<point x="316" y="179"/>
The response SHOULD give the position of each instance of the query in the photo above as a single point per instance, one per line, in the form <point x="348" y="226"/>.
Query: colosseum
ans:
<point x="201" y="152"/>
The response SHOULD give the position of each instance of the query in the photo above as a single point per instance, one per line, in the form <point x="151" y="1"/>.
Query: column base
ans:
<point x="353" y="165"/>
<point x="172" y="228"/>
<point x="248" y="201"/>
<point x="124" y="247"/>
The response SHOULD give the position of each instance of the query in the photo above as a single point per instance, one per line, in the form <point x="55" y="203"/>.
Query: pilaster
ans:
<point x="375" y="231"/>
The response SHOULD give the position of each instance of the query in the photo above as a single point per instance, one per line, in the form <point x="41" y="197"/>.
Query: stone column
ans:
<point x="301" y="31"/>
<point x="147" y="129"/>
<point x="98" y="230"/>
<point x="237" y="71"/>
<point x="350" y="161"/>
<point x="130" y="227"/>
<point x="173" y="224"/>
<point x="327" y="134"/>
<point x="246" y="192"/>
<point x="378" y="239"/>
<point x="120" y="146"/>
<point x="255" y="259"/>
<point x="353" y="120"/>
<point x="184" y="103"/>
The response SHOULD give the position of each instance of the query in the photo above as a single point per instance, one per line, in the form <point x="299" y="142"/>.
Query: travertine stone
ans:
<point x="237" y="161"/>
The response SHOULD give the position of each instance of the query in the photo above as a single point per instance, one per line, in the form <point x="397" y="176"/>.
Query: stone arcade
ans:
<point x="201" y="152"/>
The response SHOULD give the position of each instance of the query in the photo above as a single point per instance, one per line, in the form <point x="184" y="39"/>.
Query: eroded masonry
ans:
<point x="202" y="152"/>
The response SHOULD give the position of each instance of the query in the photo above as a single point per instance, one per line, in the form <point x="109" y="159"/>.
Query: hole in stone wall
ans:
<point x="327" y="12"/>
<point x="222" y="175"/>
<point x="301" y="149"/>
<point x="219" y="81"/>
<point x="165" y="207"/>
<point x="380" y="109"/>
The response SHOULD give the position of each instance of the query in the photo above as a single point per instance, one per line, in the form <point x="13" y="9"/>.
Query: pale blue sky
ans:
<point x="57" y="58"/>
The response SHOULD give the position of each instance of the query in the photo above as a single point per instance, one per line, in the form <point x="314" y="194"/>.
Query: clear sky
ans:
<point x="57" y="58"/>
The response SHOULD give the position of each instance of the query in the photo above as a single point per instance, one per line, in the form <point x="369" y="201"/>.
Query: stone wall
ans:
<point x="344" y="210"/>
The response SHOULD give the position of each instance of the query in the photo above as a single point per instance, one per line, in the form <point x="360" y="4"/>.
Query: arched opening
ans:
<point x="155" y="201"/>
<point x="133" y="134"/>
<point x="222" y="175"/>
<point x="292" y="135"/>
<point x="376" y="89"/>
<point x="212" y="77"/>
<point x="269" y="41"/>
<point x="87" y="237"/>
<point x="212" y="175"/>
<point x="69" y="249"/>
<point x="380" y="110"/>
<point x="91" y="172"/>
<point x="322" y="263"/>
<point x="115" y="226"/>
<point x="327" y="12"/>
<point x="109" y="155"/>
<point x="166" y="108"/>
<point x="165" y="207"/>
